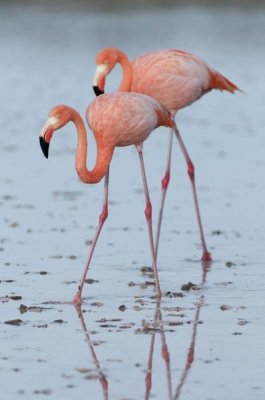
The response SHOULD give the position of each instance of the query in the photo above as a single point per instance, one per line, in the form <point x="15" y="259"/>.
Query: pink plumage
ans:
<point x="117" y="119"/>
<point x="176" y="79"/>
<point x="124" y="119"/>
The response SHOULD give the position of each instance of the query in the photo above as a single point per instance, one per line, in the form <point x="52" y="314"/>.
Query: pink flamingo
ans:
<point x="117" y="119"/>
<point x="176" y="79"/>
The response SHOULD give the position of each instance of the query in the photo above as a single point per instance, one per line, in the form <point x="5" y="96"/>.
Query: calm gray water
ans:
<point x="214" y="335"/>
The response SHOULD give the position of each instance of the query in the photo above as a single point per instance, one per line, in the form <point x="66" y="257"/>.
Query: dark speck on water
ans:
<point x="225" y="307"/>
<point x="230" y="264"/>
<point x="174" y="294"/>
<point x="188" y="286"/>
<point x="15" y="297"/>
<point x="14" y="322"/>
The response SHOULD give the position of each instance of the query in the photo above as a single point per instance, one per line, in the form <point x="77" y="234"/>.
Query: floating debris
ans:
<point x="14" y="322"/>
<point x="127" y="325"/>
<point x="59" y="321"/>
<point x="217" y="232"/>
<point x="225" y="307"/>
<point x="147" y="270"/>
<point x="36" y="272"/>
<point x="97" y="304"/>
<point x="109" y="320"/>
<point x="145" y="284"/>
<point x="188" y="286"/>
<point x="243" y="322"/>
<point x="230" y="264"/>
<point x="46" y="392"/>
<point x="174" y="294"/>
<point x="175" y="323"/>
<point x="90" y="281"/>
<point x="15" y="297"/>
<point x="40" y="326"/>
<point x="23" y="309"/>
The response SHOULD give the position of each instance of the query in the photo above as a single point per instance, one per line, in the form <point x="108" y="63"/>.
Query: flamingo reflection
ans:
<point x="101" y="376"/>
<point x="158" y="326"/>
<point x="191" y="350"/>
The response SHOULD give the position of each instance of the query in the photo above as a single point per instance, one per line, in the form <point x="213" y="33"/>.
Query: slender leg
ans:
<point x="164" y="184"/>
<point x="206" y="257"/>
<point x="148" y="214"/>
<point x="102" y="218"/>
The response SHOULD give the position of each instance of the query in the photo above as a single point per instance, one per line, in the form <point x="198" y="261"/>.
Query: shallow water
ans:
<point x="214" y="332"/>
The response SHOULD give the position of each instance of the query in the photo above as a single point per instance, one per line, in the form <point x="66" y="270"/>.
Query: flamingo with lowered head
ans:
<point x="117" y="120"/>
<point x="176" y="79"/>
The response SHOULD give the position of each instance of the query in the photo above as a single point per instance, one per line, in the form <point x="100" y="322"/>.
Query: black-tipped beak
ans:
<point x="44" y="146"/>
<point x="98" y="91"/>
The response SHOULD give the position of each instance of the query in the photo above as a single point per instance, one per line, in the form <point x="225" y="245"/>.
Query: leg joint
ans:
<point x="165" y="353"/>
<point x="148" y="211"/>
<point x="165" y="180"/>
<point x="104" y="215"/>
<point x="191" y="169"/>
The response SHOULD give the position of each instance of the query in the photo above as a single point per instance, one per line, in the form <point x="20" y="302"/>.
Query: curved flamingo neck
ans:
<point x="104" y="154"/>
<point x="125" y="84"/>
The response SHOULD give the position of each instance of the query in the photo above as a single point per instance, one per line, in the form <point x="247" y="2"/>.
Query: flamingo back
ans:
<point x="175" y="78"/>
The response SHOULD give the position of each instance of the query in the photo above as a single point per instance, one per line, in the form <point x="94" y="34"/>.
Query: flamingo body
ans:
<point x="175" y="78"/>
<point x="117" y="119"/>
<point x="124" y="119"/>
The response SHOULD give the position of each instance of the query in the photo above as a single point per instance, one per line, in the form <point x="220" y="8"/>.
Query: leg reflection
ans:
<point x="158" y="327"/>
<point x="191" y="349"/>
<point x="102" y="378"/>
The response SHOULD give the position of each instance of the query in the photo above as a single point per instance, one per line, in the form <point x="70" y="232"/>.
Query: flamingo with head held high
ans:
<point x="176" y="79"/>
<point x="117" y="119"/>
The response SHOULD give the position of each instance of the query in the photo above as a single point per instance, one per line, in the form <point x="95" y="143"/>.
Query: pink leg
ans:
<point x="148" y="214"/>
<point x="164" y="184"/>
<point x="206" y="257"/>
<point x="102" y="218"/>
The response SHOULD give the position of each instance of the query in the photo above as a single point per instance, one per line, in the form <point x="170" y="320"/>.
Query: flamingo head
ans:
<point x="58" y="117"/>
<point x="106" y="61"/>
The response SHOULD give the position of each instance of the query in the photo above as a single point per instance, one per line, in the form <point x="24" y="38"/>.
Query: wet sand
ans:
<point x="208" y="341"/>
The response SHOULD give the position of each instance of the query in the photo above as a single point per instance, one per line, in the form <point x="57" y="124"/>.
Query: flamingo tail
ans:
<point x="218" y="81"/>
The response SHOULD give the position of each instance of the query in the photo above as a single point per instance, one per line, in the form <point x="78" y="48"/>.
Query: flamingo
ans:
<point x="117" y="120"/>
<point x="176" y="79"/>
